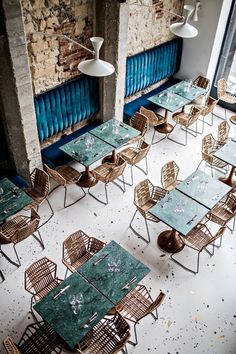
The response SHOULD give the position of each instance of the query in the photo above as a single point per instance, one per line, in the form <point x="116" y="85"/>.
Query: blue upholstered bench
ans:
<point x="149" y="67"/>
<point x="54" y="157"/>
<point x="64" y="107"/>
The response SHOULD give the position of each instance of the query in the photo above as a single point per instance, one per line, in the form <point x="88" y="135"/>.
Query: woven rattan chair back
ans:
<point x="139" y="122"/>
<point x="153" y="118"/>
<point x="142" y="153"/>
<point x="169" y="174"/>
<point x="25" y="231"/>
<point x="40" y="274"/>
<point x="209" y="107"/>
<point x="208" y="143"/>
<point x="117" y="169"/>
<point x="231" y="203"/>
<point x="40" y="182"/>
<point x="202" y="82"/>
<point x="223" y="132"/>
<point x="194" y="115"/>
<point x="55" y="175"/>
<point x="10" y="346"/>
<point x="142" y="194"/>
<point x="75" y="246"/>
<point x="221" y="88"/>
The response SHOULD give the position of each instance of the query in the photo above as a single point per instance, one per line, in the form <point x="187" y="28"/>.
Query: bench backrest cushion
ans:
<point x="66" y="105"/>
<point x="147" y="68"/>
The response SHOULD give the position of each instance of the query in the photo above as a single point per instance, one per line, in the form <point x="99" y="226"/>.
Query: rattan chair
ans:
<point x="199" y="238"/>
<point x="208" y="148"/>
<point x="140" y="122"/>
<point x="139" y="304"/>
<point x="78" y="248"/>
<point x="65" y="176"/>
<point x="154" y="120"/>
<point x="146" y="195"/>
<point x="39" y="190"/>
<point x="109" y="172"/>
<point x="185" y="120"/>
<point x="38" y="338"/>
<point x="108" y="336"/>
<point x="18" y="229"/>
<point x="224" y="211"/>
<point x="133" y="155"/>
<point x="169" y="175"/>
<point x="40" y="279"/>
<point x="203" y="82"/>
<point x="224" y="96"/>
<point x="207" y="109"/>
<point x="223" y="133"/>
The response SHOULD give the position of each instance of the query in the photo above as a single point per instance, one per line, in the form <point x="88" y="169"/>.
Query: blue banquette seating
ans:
<point x="61" y="108"/>
<point x="149" y="67"/>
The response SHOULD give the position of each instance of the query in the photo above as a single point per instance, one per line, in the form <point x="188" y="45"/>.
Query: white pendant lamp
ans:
<point x="96" y="66"/>
<point x="92" y="67"/>
<point x="184" y="29"/>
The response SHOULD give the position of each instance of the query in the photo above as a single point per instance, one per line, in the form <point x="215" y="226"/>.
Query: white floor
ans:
<point x="199" y="312"/>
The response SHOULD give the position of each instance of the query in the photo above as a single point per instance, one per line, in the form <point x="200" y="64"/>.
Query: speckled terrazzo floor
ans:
<point x="199" y="313"/>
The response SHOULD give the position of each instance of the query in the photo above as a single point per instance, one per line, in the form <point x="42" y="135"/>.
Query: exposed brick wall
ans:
<point x="55" y="60"/>
<point x="149" y="25"/>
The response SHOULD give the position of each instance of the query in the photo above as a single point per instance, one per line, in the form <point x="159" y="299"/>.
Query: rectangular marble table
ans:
<point x="179" y="211"/>
<point x="114" y="271"/>
<point x="59" y="312"/>
<point x="78" y="151"/>
<point x="227" y="153"/>
<point x="203" y="188"/>
<point x="107" y="133"/>
<point x="171" y="104"/>
<point x="12" y="200"/>
<point x="182" y="89"/>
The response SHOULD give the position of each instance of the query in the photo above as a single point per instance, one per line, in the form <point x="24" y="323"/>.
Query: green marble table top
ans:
<point x="113" y="272"/>
<point x="227" y="153"/>
<point x="171" y="104"/>
<point x="12" y="199"/>
<point x="106" y="132"/>
<point x="179" y="211"/>
<point x="203" y="188"/>
<point x="78" y="150"/>
<point x="183" y="90"/>
<point x="59" y="312"/>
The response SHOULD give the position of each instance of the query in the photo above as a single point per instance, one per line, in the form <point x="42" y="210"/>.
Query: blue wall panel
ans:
<point x="146" y="68"/>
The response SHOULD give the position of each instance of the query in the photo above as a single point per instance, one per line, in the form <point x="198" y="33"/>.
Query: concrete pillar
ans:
<point x="16" y="93"/>
<point x="112" y="24"/>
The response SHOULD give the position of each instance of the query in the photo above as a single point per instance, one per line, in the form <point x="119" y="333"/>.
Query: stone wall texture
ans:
<point x="149" y="22"/>
<point x="54" y="60"/>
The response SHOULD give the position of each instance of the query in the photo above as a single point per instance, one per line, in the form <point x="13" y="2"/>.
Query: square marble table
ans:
<point x="107" y="133"/>
<point x="203" y="188"/>
<point x="78" y="151"/>
<point x="59" y="312"/>
<point x="171" y="104"/>
<point x="227" y="153"/>
<point x="12" y="200"/>
<point x="181" y="213"/>
<point x="117" y="267"/>
<point x="182" y="89"/>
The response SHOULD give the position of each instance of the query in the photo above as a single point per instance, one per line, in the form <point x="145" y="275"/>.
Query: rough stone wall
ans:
<point x="54" y="60"/>
<point x="149" y="24"/>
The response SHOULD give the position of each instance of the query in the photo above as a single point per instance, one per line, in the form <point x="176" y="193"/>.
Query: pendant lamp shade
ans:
<point x="96" y="66"/>
<point x="184" y="29"/>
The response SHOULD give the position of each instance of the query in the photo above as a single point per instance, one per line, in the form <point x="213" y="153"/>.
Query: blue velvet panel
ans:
<point x="153" y="65"/>
<point x="64" y="106"/>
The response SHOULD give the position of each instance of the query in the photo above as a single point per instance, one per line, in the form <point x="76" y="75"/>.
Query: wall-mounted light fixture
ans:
<point x="91" y="67"/>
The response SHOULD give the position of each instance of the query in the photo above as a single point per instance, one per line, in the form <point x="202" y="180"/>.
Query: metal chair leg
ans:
<point x="135" y="336"/>
<point x="185" y="267"/>
<point x="39" y="239"/>
<point x="45" y="222"/>
<point x="99" y="200"/>
<point x="65" y="195"/>
<point x="9" y="259"/>
<point x="138" y="234"/>
<point x="1" y="275"/>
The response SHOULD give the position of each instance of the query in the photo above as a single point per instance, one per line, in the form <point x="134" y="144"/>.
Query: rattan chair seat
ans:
<point x="223" y="212"/>
<point x="108" y="336"/>
<point x="70" y="174"/>
<point x="102" y="172"/>
<point x="38" y="338"/>
<point x="49" y="287"/>
<point x="154" y="119"/>
<point x="197" y="239"/>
